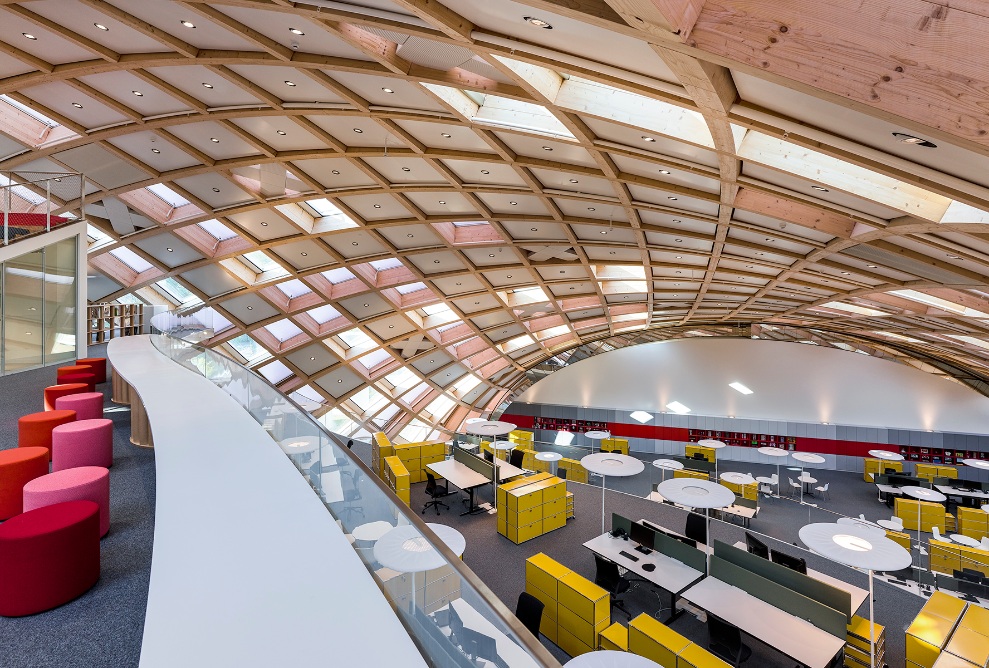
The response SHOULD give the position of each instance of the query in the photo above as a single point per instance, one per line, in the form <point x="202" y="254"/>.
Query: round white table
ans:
<point x="406" y="550"/>
<point x="865" y="525"/>
<point x="715" y="444"/>
<point x="985" y="508"/>
<point x="469" y="446"/>
<point x="922" y="494"/>
<point x="609" y="463"/>
<point x="492" y="428"/>
<point x="737" y="478"/>
<point x="610" y="659"/>
<point x="806" y="458"/>
<point x="890" y="525"/>
<point x="977" y="463"/>
<point x="597" y="435"/>
<point x="887" y="455"/>
<point x="372" y="531"/>
<point x="695" y="493"/>
<point x="503" y="445"/>
<point x="962" y="539"/>
<point x="857" y="547"/>
<point x="551" y="457"/>
<point x="667" y="465"/>
<point x="807" y="480"/>
<point x="778" y="454"/>
<point x="767" y="480"/>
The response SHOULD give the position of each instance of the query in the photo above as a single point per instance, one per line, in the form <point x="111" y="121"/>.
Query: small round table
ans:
<point x="597" y="435"/>
<point x="716" y="445"/>
<point x="887" y="455"/>
<point x="492" y="428"/>
<point x="551" y="457"/>
<point x="807" y="480"/>
<point x="610" y="659"/>
<point x="503" y="446"/>
<point x="965" y="540"/>
<point x="737" y="478"/>
<point x="778" y="454"/>
<point x="806" y="458"/>
<point x="864" y="525"/>
<point x="767" y="481"/>
<point x="372" y="531"/>
<point x="695" y="493"/>
<point x="667" y="465"/>
<point x="299" y="450"/>
<point x="406" y="550"/>
<point x="609" y="463"/>
<point x="890" y="525"/>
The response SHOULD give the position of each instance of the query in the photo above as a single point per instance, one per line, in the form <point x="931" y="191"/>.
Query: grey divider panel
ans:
<point x="476" y="463"/>
<point x="746" y="503"/>
<point x="694" y="464"/>
<point x="682" y="552"/>
<point x="834" y="598"/>
<point x="617" y="521"/>
<point x="825" y="618"/>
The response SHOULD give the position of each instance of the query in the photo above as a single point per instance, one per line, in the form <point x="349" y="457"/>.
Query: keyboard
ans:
<point x="628" y="555"/>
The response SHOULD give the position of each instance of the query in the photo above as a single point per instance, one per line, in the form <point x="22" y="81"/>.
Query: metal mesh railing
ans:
<point x="33" y="203"/>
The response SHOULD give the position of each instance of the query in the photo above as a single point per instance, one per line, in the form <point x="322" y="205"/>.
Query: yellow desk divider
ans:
<point x="380" y="449"/>
<point x="531" y="506"/>
<point x="878" y="466"/>
<point x="931" y="629"/>
<point x="652" y="639"/>
<point x="575" y="470"/>
<point x="857" y="644"/>
<point x="576" y="610"/>
<point x="397" y="478"/>
<point x="684" y="473"/>
<point x="973" y="522"/>
<point x="612" y="444"/>
<point x="931" y="514"/>
<point x="614" y="638"/>
<point x="947" y="557"/>
<point x="710" y="454"/>
<point x="930" y="471"/>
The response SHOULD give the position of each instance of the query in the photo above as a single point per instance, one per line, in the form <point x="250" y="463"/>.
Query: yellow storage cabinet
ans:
<point x="973" y="522"/>
<point x="614" y="638"/>
<point x="684" y="473"/>
<point x="951" y="661"/>
<point x="695" y="656"/>
<point x="531" y="506"/>
<point x="575" y="470"/>
<point x="397" y="478"/>
<point x="654" y="640"/>
<point x="970" y="645"/>
<point x="710" y="454"/>
<point x="930" y="471"/>
<point x="931" y="514"/>
<point x="576" y="610"/>
<point x="931" y="629"/>
<point x="875" y="467"/>
<point x="613" y="444"/>
<point x="857" y="646"/>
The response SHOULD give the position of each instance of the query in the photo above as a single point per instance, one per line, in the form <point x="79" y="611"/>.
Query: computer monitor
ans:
<point x="793" y="563"/>
<point x="456" y="625"/>
<point x="481" y="646"/>
<point x="683" y="539"/>
<point x="756" y="546"/>
<point x="643" y="535"/>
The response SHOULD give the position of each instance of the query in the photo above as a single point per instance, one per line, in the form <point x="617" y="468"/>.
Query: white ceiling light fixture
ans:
<point x="101" y="26"/>
<point x="296" y="31"/>
<point x="188" y="24"/>
<point x="640" y="416"/>
<point x="29" y="35"/>
<point x="678" y="408"/>
<point x="915" y="141"/>
<point x="739" y="387"/>
<point x="539" y="23"/>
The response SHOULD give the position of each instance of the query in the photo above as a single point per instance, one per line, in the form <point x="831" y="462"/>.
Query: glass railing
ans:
<point x="353" y="495"/>
<point x="33" y="203"/>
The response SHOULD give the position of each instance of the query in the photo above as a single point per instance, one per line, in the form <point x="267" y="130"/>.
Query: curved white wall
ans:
<point x="790" y="381"/>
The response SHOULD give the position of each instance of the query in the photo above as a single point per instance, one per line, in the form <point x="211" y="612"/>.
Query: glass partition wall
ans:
<point x="355" y="497"/>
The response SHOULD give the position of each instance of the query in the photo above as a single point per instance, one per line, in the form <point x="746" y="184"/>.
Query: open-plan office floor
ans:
<point x="501" y="564"/>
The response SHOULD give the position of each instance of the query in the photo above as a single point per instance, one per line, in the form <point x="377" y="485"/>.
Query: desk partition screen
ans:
<point x="694" y="464"/>
<point x="834" y="598"/>
<point x="682" y="552"/>
<point x="619" y="522"/>
<point x="474" y="462"/>
<point x="827" y="619"/>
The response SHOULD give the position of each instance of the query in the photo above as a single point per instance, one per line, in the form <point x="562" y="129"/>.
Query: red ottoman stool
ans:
<point x="53" y="392"/>
<point x="19" y="466"/>
<point x="68" y="370"/>
<point x="48" y="557"/>
<point x="98" y="365"/>
<point x="88" y="378"/>
<point x="82" y="443"/>
<point x="87" y="405"/>
<point x="35" y="429"/>
<point x="88" y="483"/>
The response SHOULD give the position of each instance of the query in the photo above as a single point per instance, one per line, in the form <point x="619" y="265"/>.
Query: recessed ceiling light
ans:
<point x="591" y="208"/>
<point x="335" y="172"/>
<point x="533" y="229"/>
<point x="872" y="266"/>
<point x="377" y="206"/>
<point x="406" y="169"/>
<point x="207" y="85"/>
<point x="491" y="254"/>
<point x="138" y="93"/>
<point x="678" y="240"/>
<point x="154" y="150"/>
<point x="312" y="358"/>
<point x="214" y="140"/>
<point x="358" y="131"/>
<point x="645" y="138"/>
<point x="216" y="190"/>
<point x="28" y="333"/>
<point x="77" y="105"/>
<point x="954" y="257"/>
<point x="509" y="276"/>
<point x="391" y="326"/>
<point x="547" y="148"/>
<point x="250" y="308"/>
<point x="664" y="171"/>
<point x="539" y="23"/>
<point x="339" y="380"/>
<point x="296" y="31"/>
<point x="845" y="273"/>
<point x="679" y="257"/>
<point x="484" y="171"/>
<point x="387" y="90"/>
<point x="281" y="132"/>
<point x="916" y="141"/>
<point x="442" y="201"/>
<point x="355" y="243"/>
<point x="604" y="231"/>
<point x="29" y="35"/>
<point x="514" y="203"/>
<point x="188" y="24"/>
<point x="304" y="254"/>
<point x="367" y="305"/>
<point x="290" y="83"/>
<point x="671" y="197"/>
<point x="264" y="224"/>
<point x="436" y="261"/>
<point x="101" y="26"/>
<point x="677" y="407"/>
<point x="169" y="250"/>
<point x="823" y="190"/>
<point x="738" y="387"/>
<point x="410" y="235"/>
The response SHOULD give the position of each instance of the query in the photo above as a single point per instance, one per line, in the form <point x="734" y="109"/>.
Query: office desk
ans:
<point x="858" y="594"/>
<point x="462" y="476"/>
<point x="506" y="471"/>
<point x="796" y="638"/>
<point x="744" y="512"/>
<point x="513" y="655"/>
<point x="670" y="574"/>
<point x="948" y="490"/>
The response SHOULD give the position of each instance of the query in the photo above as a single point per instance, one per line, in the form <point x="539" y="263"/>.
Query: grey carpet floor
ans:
<point x="103" y="627"/>
<point x="499" y="562"/>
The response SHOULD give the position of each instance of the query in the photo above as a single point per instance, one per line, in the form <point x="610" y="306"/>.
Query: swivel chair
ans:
<point x="726" y="641"/>
<point x="435" y="492"/>
<point x="608" y="577"/>
<point x="529" y="611"/>
<point x="515" y="459"/>
<point x="696" y="528"/>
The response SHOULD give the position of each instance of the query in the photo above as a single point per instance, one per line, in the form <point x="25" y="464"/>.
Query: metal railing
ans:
<point x="37" y="202"/>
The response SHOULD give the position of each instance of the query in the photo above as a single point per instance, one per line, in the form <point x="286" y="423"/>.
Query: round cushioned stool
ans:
<point x="19" y="466"/>
<point x="86" y="483"/>
<point x="35" y="429"/>
<point x="53" y="392"/>
<point x="71" y="369"/>
<point x="82" y="443"/>
<point x="88" y="378"/>
<point x="87" y="405"/>
<point x="98" y="365"/>
<point x="48" y="557"/>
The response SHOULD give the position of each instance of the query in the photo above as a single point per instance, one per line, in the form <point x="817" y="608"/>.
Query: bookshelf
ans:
<point x="744" y="439"/>
<point x="108" y="321"/>
<point x="565" y="424"/>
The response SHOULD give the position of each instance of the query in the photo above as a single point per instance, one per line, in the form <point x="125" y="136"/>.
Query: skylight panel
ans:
<point x="971" y="340"/>
<point x="389" y="263"/>
<point x="37" y="115"/>
<point x="283" y="330"/>
<point x="939" y="303"/>
<point x="402" y="379"/>
<point x="294" y="288"/>
<point x="354" y="337"/>
<point x="372" y="360"/>
<point x="440" y="406"/>
<point x="324" y="207"/>
<point x="368" y="399"/>
<point x="466" y="384"/>
<point x="248" y="348"/>
<point x="852" y="308"/>
<point x="899" y="337"/>
<point x="410" y="288"/>
<point x="340" y="275"/>
<point x="414" y="432"/>
<point x="176" y="291"/>
<point x="131" y="259"/>
<point x="217" y="230"/>
<point x="96" y="237"/>
<point x="275" y="372"/>
<point x="619" y="271"/>
<point x="435" y="309"/>
<point x="260" y="262"/>
<point x="323" y="314"/>
<point x="21" y="191"/>
<point x="678" y="408"/>
<point x="469" y="223"/>
<point x="168" y="195"/>
<point x="337" y="421"/>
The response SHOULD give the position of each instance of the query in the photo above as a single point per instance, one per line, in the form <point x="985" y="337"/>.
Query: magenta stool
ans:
<point x="82" y="443"/>
<point x="84" y="483"/>
<point x="87" y="405"/>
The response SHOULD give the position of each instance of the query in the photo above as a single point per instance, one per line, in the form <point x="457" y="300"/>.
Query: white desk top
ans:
<point x="514" y="656"/>
<point x="251" y="605"/>
<point x="962" y="539"/>
<point x="672" y="575"/>
<point x="806" y="478"/>
<point x="372" y="530"/>
<point x="506" y="470"/>
<point x="795" y="637"/>
<point x="951" y="491"/>
<point x="459" y="475"/>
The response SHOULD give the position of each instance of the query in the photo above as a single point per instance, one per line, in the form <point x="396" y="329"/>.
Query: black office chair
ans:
<point x="561" y="474"/>
<point x="608" y="577"/>
<point x="350" y="444"/>
<point x="515" y="459"/>
<point x="699" y="455"/>
<point x="889" y="471"/>
<point x="488" y="455"/>
<point x="696" y="528"/>
<point x="352" y="493"/>
<point x="726" y="641"/>
<point x="435" y="492"/>
<point x="529" y="611"/>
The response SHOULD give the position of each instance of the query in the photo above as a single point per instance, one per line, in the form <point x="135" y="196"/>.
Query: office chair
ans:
<point x="825" y="494"/>
<point x="696" y="528"/>
<point x="529" y="611"/>
<point x="793" y="485"/>
<point x="489" y="456"/>
<point x="350" y="444"/>
<point x="699" y="455"/>
<point x="515" y="459"/>
<point x="890" y="471"/>
<point x="352" y="494"/>
<point x="608" y="577"/>
<point x="937" y="535"/>
<point x="561" y="474"/>
<point x="726" y="641"/>
<point x="435" y="492"/>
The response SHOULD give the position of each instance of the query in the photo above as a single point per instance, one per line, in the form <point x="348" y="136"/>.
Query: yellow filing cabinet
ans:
<point x="970" y="645"/>
<point x="878" y="466"/>
<point x="380" y="449"/>
<point x="948" y="557"/>
<point x="902" y="539"/>
<point x="575" y="470"/>
<point x="542" y="576"/>
<point x="710" y="454"/>
<point x="695" y="656"/>
<point x="950" y="661"/>
<point x="569" y="505"/>
<point x="613" y="444"/>
<point x="944" y="605"/>
<point x="614" y="638"/>
<point x="975" y="618"/>
<point x="397" y="477"/>
<point x="931" y="514"/>
<point x="931" y="629"/>
<point x="522" y="437"/>
<point x="857" y="645"/>
<point x="531" y="506"/>
<point x="930" y="471"/>
<point x="684" y="473"/>
<point x="583" y="611"/>
<point x="654" y="640"/>
<point x="750" y="492"/>
<point x="973" y="522"/>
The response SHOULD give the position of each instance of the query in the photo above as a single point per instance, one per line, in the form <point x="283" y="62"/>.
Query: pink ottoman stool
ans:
<point x="82" y="443"/>
<point x="84" y="483"/>
<point x="53" y="392"/>
<point x="87" y="405"/>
